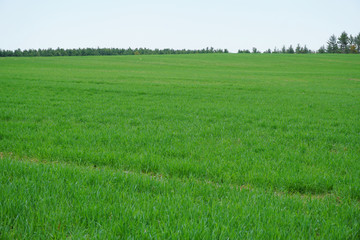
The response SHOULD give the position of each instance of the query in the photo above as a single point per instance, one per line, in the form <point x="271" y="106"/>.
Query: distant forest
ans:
<point x="343" y="44"/>
<point x="102" y="52"/>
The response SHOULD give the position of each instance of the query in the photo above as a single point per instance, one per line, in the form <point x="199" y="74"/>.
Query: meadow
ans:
<point x="206" y="146"/>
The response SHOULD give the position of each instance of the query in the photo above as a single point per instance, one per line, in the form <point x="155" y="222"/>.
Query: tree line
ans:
<point x="299" y="49"/>
<point x="345" y="43"/>
<point x="102" y="51"/>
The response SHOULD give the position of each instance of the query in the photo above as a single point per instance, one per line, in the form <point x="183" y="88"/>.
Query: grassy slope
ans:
<point x="274" y="123"/>
<point x="58" y="201"/>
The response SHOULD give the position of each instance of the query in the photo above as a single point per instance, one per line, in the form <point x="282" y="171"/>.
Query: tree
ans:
<point x="351" y="40"/>
<point x="352" y="46"/>
<point x="268" y="51"/>
<point x="332" y="46"/>
<point x="283" y="49"/>
<point x="343" y="40"/>
<point x="321" y="50"/>
<point x="357" y="42"/>
<point x="352" y="49"/>
<point x="290" y="50"/>
<point x="306" y="50"/>
<point x="254" y="50"/>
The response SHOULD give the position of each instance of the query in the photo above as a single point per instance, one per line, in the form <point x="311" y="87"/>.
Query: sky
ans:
<point x="189" y="24"/>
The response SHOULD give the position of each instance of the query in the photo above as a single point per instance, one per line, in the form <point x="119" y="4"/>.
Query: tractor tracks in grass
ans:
<point x="166" y="179"/>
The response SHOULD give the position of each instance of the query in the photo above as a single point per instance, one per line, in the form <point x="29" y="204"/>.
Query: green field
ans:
<point x="210" y="146"/>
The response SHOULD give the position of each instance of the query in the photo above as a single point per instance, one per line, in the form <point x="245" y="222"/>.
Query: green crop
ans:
<point x="180" y="146"/>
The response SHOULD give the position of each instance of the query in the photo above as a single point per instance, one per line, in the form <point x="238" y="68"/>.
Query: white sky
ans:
<point x="174" y="24"/>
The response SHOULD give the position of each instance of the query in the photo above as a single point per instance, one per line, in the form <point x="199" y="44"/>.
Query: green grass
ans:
<point x="187" y="146"/>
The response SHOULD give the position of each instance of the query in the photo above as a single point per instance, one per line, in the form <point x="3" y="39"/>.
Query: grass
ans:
<point x="187" y="146"/>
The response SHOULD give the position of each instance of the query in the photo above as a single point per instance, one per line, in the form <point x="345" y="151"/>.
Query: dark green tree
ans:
<point x="290" y="50"/>
<point x="357" y="42"/>
<point x="332" y="46"/>
<point x="268" y="51"/>
<point x="351" y="39"/>
<point x="18" y="53"/>
<point x="321" y="50"/>
<point x="343" y="40"/>
<point x="306" y="50"/>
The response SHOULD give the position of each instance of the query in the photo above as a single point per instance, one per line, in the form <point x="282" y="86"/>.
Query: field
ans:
<point x="210" y="146"/>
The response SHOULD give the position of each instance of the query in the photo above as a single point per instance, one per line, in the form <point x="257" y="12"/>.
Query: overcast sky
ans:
<point x="190" y="24"/>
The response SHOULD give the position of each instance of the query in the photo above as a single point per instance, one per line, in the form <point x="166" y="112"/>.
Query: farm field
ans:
<point x="207" y="146"/>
